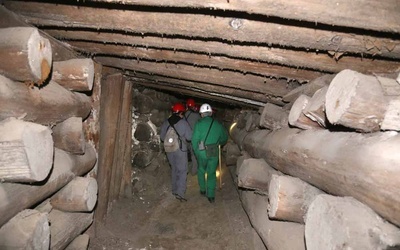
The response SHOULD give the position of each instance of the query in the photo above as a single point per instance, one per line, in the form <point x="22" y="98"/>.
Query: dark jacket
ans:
<point x="181" y="126"/>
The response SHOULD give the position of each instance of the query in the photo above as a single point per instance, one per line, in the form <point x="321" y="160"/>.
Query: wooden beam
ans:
<point x="223" y="78"/>
<point x="205" y="87"/>
<point x="206" y="26"/>
<point x="339" y="13"/>
<point x="360" y="168"/>
<point x="111" y="100"/>
<point x="204" y="94"/>
<point x="319" y="61"/>
<point x="68" y="135"/>
<point x="218" y="62"/>
<point x="60" y="50"/>
<point x="74" y="74"/>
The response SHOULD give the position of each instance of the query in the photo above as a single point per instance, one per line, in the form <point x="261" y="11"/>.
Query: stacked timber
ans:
<point x="43" y="152"/>
<point x="361" y="163"/>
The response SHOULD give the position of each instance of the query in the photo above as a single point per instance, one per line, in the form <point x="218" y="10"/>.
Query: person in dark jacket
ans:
<point x="178" y="159"/>
<point x="192" y="116"/>
<point x="208" y="133"/>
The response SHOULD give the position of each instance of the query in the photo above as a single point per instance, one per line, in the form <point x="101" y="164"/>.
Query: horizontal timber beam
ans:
<point x="356" y="13"/>
<point x="223" y="78"/>
<point x="205" y="26"/>
<point x="207" y="87"/>
<point x="190" y="92"/>
<point x="317" y="61"/>
<point x="219" y="62"/>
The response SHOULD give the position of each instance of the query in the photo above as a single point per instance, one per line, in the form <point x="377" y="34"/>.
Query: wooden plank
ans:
<point x="61" y="51"/>
<point x="356" y="13"/>
<point x="202" y="86"/>
<point x="196" y="25"/>
<point x="219" y="62"/>
<point x="223" y="78"/>
<point x="111" y="90"/>
<point x="205" y="95"/>
<point x="124" y="139"/>
<point x="318" y="61"/>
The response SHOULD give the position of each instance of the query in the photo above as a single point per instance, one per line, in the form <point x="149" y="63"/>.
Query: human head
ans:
<point x="190" y="103"/>
<point x="178" y="108"/>
<point x="205" y="110"/>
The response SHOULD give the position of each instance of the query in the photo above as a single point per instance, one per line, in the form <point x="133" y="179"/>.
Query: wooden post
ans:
<point x="315" y="109"/>
<point x="111" y="92"/>
<point x="48" y="105"/>
<point x="356" y="101"/>
<point x="255" y="174"/>
<point x="29" y="229"/>
<point x="276" y="235"/>
<point x="80" y="195"/>
<point x="289" y="198"/>
<point x="360" y="168"/>
<point x="74" y="74"/>
<point x="26" y="151"/>
<point x="68" y="135"/>
<point x="343" y="222"/>
<point x="297" y="117"/>
<point x="16" y="197"/>
<point x="273" y="117"/>
<point x="65" y="227"/>
<point x="25" y="55"/>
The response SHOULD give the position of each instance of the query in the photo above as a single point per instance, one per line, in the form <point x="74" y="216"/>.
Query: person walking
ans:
<point x="208" y="134"/>
<point x="192" y="116"/>
<point x="175" y="134"/>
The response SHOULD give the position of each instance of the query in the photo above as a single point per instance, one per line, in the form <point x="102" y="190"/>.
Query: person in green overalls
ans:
<point x="208" y="134"/>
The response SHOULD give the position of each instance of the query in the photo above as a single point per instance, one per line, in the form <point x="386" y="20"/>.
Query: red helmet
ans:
<point x="178" y="107"/>
<point x="190" y="103"/>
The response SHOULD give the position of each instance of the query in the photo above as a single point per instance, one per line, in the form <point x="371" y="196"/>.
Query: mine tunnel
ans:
<point x="306" y="91"/>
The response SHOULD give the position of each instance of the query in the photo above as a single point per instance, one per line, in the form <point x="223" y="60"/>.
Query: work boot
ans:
<point x="180" y="198"/>
<point x="203" y="193"/>
<point x="211" y="199"/>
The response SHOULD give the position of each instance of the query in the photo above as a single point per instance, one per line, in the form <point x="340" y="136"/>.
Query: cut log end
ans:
<point x="39" y="56"/>
<point x="297" y="117"/>
<point x="339" y="94"/>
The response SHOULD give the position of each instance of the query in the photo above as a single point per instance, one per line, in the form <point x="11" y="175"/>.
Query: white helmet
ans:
<point x="205" y="108"/>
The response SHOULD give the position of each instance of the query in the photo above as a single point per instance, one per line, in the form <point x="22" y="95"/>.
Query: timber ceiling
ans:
<point x="249" y="51"/>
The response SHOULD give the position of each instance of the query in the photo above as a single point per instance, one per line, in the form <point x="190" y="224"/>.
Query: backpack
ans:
<point x="172" y="141"/>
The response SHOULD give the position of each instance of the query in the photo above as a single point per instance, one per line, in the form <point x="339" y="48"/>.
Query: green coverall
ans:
<point x="217" y="134"/>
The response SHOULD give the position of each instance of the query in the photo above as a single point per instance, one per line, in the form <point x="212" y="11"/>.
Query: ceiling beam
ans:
<point x="218" y="62"/>
<point x="317" y="61"/>
<point x="201" y="94"/>
<point x="223" y="78"/>
<point x="246" y="94"/>
<point x="355" y="13"/>
<point x="203" y="26"/>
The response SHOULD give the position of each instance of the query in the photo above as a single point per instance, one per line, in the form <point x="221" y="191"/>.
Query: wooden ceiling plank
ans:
<point x="209" y="27"/>
<point x="317" y="61"/>
<point x="219" y="62"/>
<point x="355" y="13"/>
<point x="60" y="50"/>
<point x="248" y="94"/>
<point x="222" y="78"/>
<point x="188" y="92"/>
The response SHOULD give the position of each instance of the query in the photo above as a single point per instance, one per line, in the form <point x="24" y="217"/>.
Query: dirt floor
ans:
<point x="155" y="219"/>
